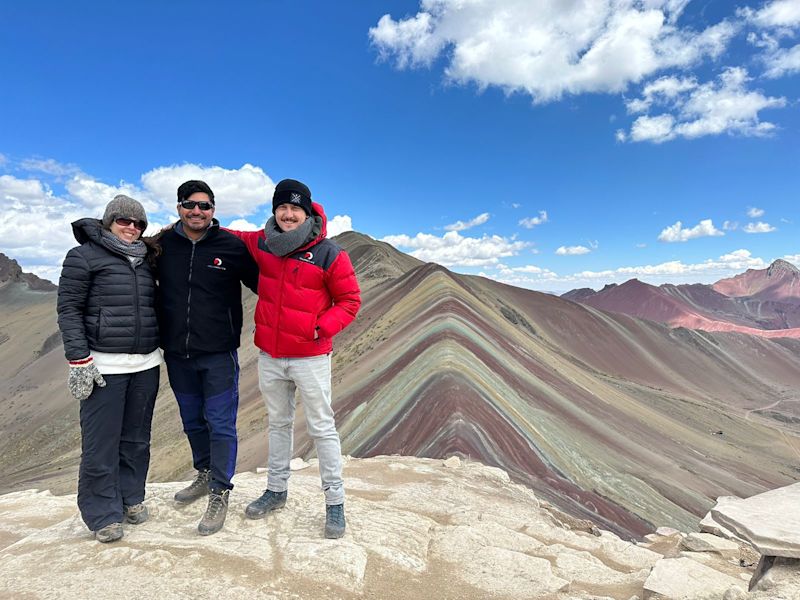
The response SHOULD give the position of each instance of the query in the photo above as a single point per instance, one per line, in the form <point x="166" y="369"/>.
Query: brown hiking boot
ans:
<point x="217" y="509"/>
<point x="197" y="489"/>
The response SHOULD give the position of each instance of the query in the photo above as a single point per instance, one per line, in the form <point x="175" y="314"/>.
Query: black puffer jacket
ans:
<point x="104" y="303"/>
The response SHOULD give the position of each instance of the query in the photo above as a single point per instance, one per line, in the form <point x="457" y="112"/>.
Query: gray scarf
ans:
<point x="283" y="243"/>
<point x="135" y="249"/>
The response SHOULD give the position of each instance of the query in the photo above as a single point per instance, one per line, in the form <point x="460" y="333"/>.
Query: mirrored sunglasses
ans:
<point x="123" y="222"/>
<point x="190" y="204"/>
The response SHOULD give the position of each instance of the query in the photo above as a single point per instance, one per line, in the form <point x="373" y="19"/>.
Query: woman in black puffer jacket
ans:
<point x="106" y="313"/>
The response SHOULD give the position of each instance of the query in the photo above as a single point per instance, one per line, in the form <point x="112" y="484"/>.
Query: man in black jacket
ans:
<point x="200" y="271"/>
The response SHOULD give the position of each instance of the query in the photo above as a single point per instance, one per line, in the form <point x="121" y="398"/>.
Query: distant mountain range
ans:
<point x="625" y="421"/>
<point x="763" y="302"/>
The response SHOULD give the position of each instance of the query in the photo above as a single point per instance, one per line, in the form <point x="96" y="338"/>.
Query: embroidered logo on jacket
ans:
<point x="307" y="257"/>
<point x="216" y="263"/>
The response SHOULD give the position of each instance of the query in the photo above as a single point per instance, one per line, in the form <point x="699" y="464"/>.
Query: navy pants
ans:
<point x="206" y="387"/>
<point x="115" y="446"/>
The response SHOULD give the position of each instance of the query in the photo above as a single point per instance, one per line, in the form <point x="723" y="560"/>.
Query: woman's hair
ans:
<point x="153" y="249"/>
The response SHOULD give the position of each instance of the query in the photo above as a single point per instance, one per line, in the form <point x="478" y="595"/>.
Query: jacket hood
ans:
<point x="320" y="212"/>
<point x="87" y="230"/>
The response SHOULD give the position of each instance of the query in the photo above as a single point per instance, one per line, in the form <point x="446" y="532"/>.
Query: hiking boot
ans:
<point x="136" y="514"/>
<point x="110" y="533"/>
<point x="197" y="489"/>
<point x="217" y="509"/>
<point x="334" y="521"/>
<point x="268" y="501"/>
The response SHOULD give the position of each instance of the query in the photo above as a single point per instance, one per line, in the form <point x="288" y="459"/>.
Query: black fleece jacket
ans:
<point x="200" y="292"/>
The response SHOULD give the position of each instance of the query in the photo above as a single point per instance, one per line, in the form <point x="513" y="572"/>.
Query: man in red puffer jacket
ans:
<point x="307" y="293"/>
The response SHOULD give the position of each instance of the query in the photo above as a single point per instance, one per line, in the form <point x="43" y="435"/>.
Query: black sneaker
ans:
<point x="334" y="521"/>
<point x="197" y="489"/>
<point x="136" y="514"/>
<point x="217" y="509"/>
<point x="268" y="501"/>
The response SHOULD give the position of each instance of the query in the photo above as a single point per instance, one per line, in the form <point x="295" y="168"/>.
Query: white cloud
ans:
<point x="730" y="225"/>
<point x="453" y="249"/>
<point x="237" y="192"/>
<point x="35" y="226"/>
<point x="461" y="225"/>
<point x="712" y="108"/>
<point x="675" y="271"/>
<point x="243" y="225"/>
<point x="779" y="13"/>
<point x="549" y="48"/>
<point x="48" y="166"/>
<point x="572" y="250"/>
<point x="339" y="224"/>
<point x="754" y="212"/>
<point x="95" y="194"/>
<point x="759" y="227"/>
<point x="531" y="222"/>
<point x="782" y="61"/>
<point x="677" y="233"/>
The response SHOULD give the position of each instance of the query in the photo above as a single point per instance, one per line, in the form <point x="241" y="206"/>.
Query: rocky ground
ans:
<point x="417" y="528"/>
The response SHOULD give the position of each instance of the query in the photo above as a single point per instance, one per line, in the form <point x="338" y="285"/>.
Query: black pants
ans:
<point x="115" y="446"/>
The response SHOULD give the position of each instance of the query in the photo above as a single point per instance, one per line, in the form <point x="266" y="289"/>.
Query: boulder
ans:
<point x="686" y="579"/>
<point x="769" y="521"/>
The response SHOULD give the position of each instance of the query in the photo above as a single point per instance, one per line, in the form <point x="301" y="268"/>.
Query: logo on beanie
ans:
<point x="216" y="263"/>
<point x="296" y="198"/>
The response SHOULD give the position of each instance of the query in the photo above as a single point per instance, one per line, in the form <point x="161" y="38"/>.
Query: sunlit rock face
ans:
<point x="622" y="421"/>
<point x="416" y="529"/>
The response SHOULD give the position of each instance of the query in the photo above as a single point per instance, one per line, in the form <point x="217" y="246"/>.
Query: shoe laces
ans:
<point x="135" y="509"/>
<point x="336" y="512"/>
<point x="215" y="504"/>
<point x="200" y="480"/>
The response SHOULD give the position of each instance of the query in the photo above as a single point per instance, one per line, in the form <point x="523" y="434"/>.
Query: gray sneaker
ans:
<point x="217" y="509"/>
<point x="197" y="489"/>
<point x="334" y="521"/>
<point x="110" y="533"/>
<point x="268" y="501"/>
<point x="136" y="514"/>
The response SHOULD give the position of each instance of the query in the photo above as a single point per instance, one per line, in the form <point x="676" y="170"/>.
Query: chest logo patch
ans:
<point x="307" y="257"/>
<point x="216" y="263"/>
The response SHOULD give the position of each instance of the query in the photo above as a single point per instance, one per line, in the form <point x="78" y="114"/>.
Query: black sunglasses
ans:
<point x="190" y="204"/>
<point x="123" y="222"/>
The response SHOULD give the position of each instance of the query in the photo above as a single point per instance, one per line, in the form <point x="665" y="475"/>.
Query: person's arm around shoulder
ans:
<point x="342" y="284"/>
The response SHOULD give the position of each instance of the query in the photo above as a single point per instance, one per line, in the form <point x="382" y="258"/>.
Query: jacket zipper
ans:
<point x="189" y="297"/>
<point x="284" y="267"/>
<point x="138" y="311"/>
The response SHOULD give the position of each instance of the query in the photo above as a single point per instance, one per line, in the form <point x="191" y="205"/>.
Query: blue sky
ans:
<point x="544" y="143"/>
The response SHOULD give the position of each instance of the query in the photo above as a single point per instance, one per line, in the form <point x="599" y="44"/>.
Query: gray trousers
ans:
<point x="278" y="378"/>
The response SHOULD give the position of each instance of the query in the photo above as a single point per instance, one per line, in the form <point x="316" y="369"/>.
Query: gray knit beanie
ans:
<point x="125" y="207"/>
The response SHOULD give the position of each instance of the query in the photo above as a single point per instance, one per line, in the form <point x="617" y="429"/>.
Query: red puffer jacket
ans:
<point x="312" y="289"/>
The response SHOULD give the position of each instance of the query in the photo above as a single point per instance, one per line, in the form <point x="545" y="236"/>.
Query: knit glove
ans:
<point x="82" y="377"/>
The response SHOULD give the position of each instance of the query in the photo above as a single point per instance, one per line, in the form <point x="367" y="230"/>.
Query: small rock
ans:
<point x="453" y="462"/>
<point x="734" y="593"/>
<point x="667" y="531"/>
<point x="298" y="464"/>
<point x="705" y="542"/>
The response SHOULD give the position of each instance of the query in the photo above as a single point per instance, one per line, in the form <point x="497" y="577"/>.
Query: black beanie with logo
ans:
<point x="291" y="191"/>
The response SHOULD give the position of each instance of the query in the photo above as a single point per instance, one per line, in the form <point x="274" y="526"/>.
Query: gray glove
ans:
<point x="82" y="377"/>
